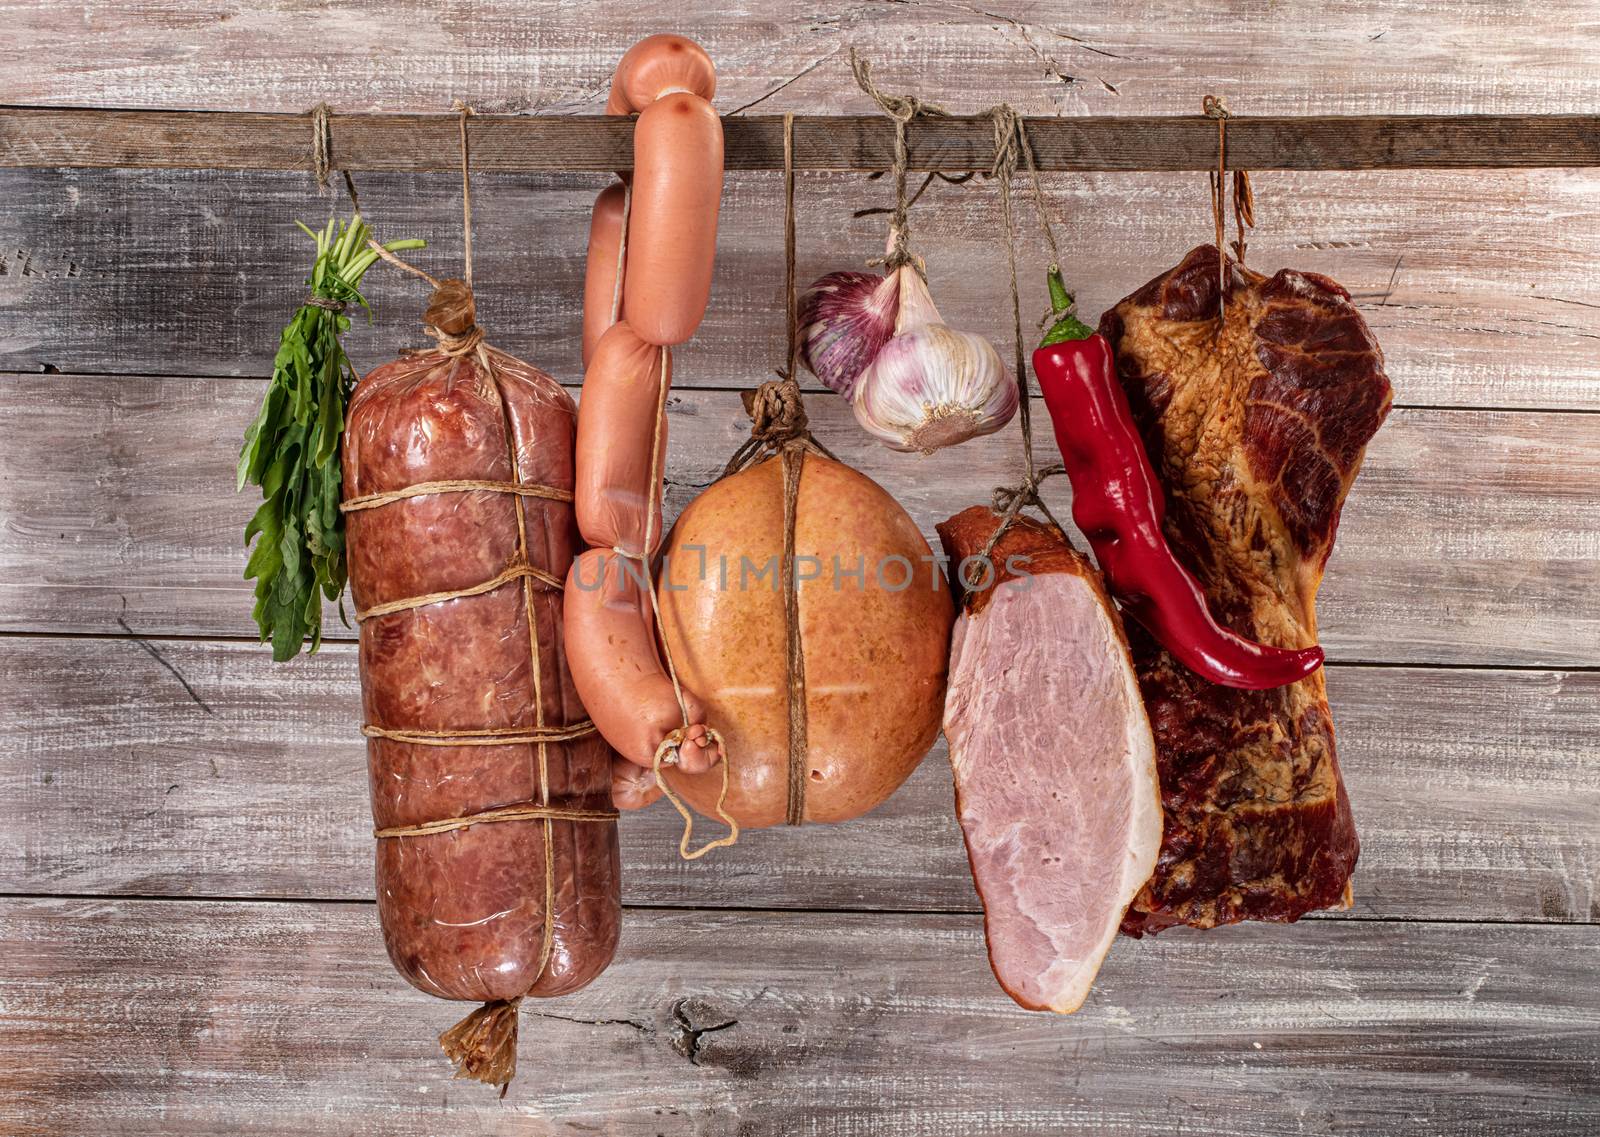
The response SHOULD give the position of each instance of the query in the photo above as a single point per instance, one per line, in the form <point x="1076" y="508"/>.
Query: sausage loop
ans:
<point x="667" y="755"/>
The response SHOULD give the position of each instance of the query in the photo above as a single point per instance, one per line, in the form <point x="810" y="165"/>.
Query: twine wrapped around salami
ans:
<point x="497" y="860"/>
<point x="803" y="606"/>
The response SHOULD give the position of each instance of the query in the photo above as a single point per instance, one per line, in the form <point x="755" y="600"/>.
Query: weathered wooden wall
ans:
<point x="189" y="945"/>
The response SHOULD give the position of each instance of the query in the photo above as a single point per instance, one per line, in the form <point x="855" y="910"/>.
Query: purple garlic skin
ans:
<point x="845" y="320"/>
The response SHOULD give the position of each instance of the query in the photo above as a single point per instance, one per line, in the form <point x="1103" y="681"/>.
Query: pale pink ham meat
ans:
<point x="1054" y="762"/>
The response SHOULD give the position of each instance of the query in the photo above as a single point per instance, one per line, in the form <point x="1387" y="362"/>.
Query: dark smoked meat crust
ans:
<point x="1257" y="431"/>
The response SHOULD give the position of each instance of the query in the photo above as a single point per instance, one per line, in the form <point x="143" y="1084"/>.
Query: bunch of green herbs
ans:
<point x="292" y="449"/>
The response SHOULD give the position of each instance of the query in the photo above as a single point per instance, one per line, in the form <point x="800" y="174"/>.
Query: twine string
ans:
<point x="1011" y="145"/>
<point x="405" y="266"/>
<point x="1243" y="200"/>
<point x="667" y="755"/>
<point x="518" y="569"/>
<point x="466" y="112"/>
<point x="322" y="155"/>
<point x="321" y="143"/>
<point x="454" y="485"/>
<point x="526" y="812"/>
<point x="667" y="750"/>
<point x="902" y="109"/>
<point x="493" y="736"/>
<point x="791" y="354"/>
<point x="792" y="456"/>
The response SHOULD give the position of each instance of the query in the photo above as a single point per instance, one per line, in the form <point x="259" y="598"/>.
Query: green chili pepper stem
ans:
<point x="1067" y="325"/>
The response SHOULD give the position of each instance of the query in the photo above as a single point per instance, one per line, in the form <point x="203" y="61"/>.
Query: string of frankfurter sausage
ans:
<point x="652" y="247"/>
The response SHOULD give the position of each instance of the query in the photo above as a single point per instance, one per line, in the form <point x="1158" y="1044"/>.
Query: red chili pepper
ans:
<point x="1119" y="505"/>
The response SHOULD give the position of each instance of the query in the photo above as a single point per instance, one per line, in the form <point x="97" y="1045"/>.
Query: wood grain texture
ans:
<point x="246" y="140"/>
<point x="1471" y="537"/>
<point x="1478" y="285"/>
<point x="189" y="1019"/>
<point x="200" y="769"/>
<point x="194" y="768"/>
<point x="519" y="56"/>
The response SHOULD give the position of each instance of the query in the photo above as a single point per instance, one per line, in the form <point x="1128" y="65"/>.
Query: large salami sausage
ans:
<point x="497" y="863"/>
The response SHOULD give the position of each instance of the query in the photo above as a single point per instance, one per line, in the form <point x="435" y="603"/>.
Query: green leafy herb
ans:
<point x="292" y="449"/>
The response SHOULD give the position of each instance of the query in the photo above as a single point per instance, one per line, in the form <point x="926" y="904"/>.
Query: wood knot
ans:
<point x="777" y="412"/>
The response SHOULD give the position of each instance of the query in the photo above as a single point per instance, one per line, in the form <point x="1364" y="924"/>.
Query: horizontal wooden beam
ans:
<point x="227" y="140"/>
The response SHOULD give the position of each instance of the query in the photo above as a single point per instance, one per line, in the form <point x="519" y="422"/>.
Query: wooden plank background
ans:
<point x="188" y="945"/>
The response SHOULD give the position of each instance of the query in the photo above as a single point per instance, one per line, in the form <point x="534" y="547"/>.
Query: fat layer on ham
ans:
<point x="1053" y="758"/>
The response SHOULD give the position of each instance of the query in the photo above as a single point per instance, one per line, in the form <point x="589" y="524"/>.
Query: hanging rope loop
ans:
<point x="1242" y="197"/>
<point x="321" y="143"/>
<point x="902" y="109"/>
<point x="1011" y="147"/>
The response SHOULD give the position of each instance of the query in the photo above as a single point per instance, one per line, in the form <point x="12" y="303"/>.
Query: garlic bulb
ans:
<point x="845" y="319"/>
<point x="914" y="382"/>
<point x="931" y="387"/>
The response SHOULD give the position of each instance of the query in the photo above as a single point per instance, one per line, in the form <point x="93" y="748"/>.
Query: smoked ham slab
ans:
<point x="1256" y="421"/>
<point x="1054" y="762"/>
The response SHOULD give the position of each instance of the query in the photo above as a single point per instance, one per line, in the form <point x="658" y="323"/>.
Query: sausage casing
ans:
<point x="464" y="912"/>
<point x="657" y="65"/>
<point x="618" y="497"/>
<point x="602" y="295"/>
<point x="672" y="229"/>
<point x="620" y="673"/>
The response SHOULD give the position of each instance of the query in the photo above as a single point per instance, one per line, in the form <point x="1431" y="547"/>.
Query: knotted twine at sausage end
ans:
<point x="497" y="861"/>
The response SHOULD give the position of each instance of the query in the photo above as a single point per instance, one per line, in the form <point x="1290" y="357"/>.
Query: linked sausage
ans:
<point x="618" y="499"/>
<point x="672" y="239"/>
<point x="659" y="64"/>
<point x="608" y="611"/>
<point x="602" y="294"/>
<point x="669" y="243"/>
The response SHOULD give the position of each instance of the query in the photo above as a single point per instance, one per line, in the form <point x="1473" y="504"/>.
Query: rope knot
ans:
<point x="1009" y="502"/>
<point x="777" y="412"/>
<point x="1215" y="107"/>
<point x="452" y="318"/>
<point x="1007" y="131"/>
<point x="1009" y="499"/>
<point x="321" y="144"/>
<point x="902" y="108"/>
